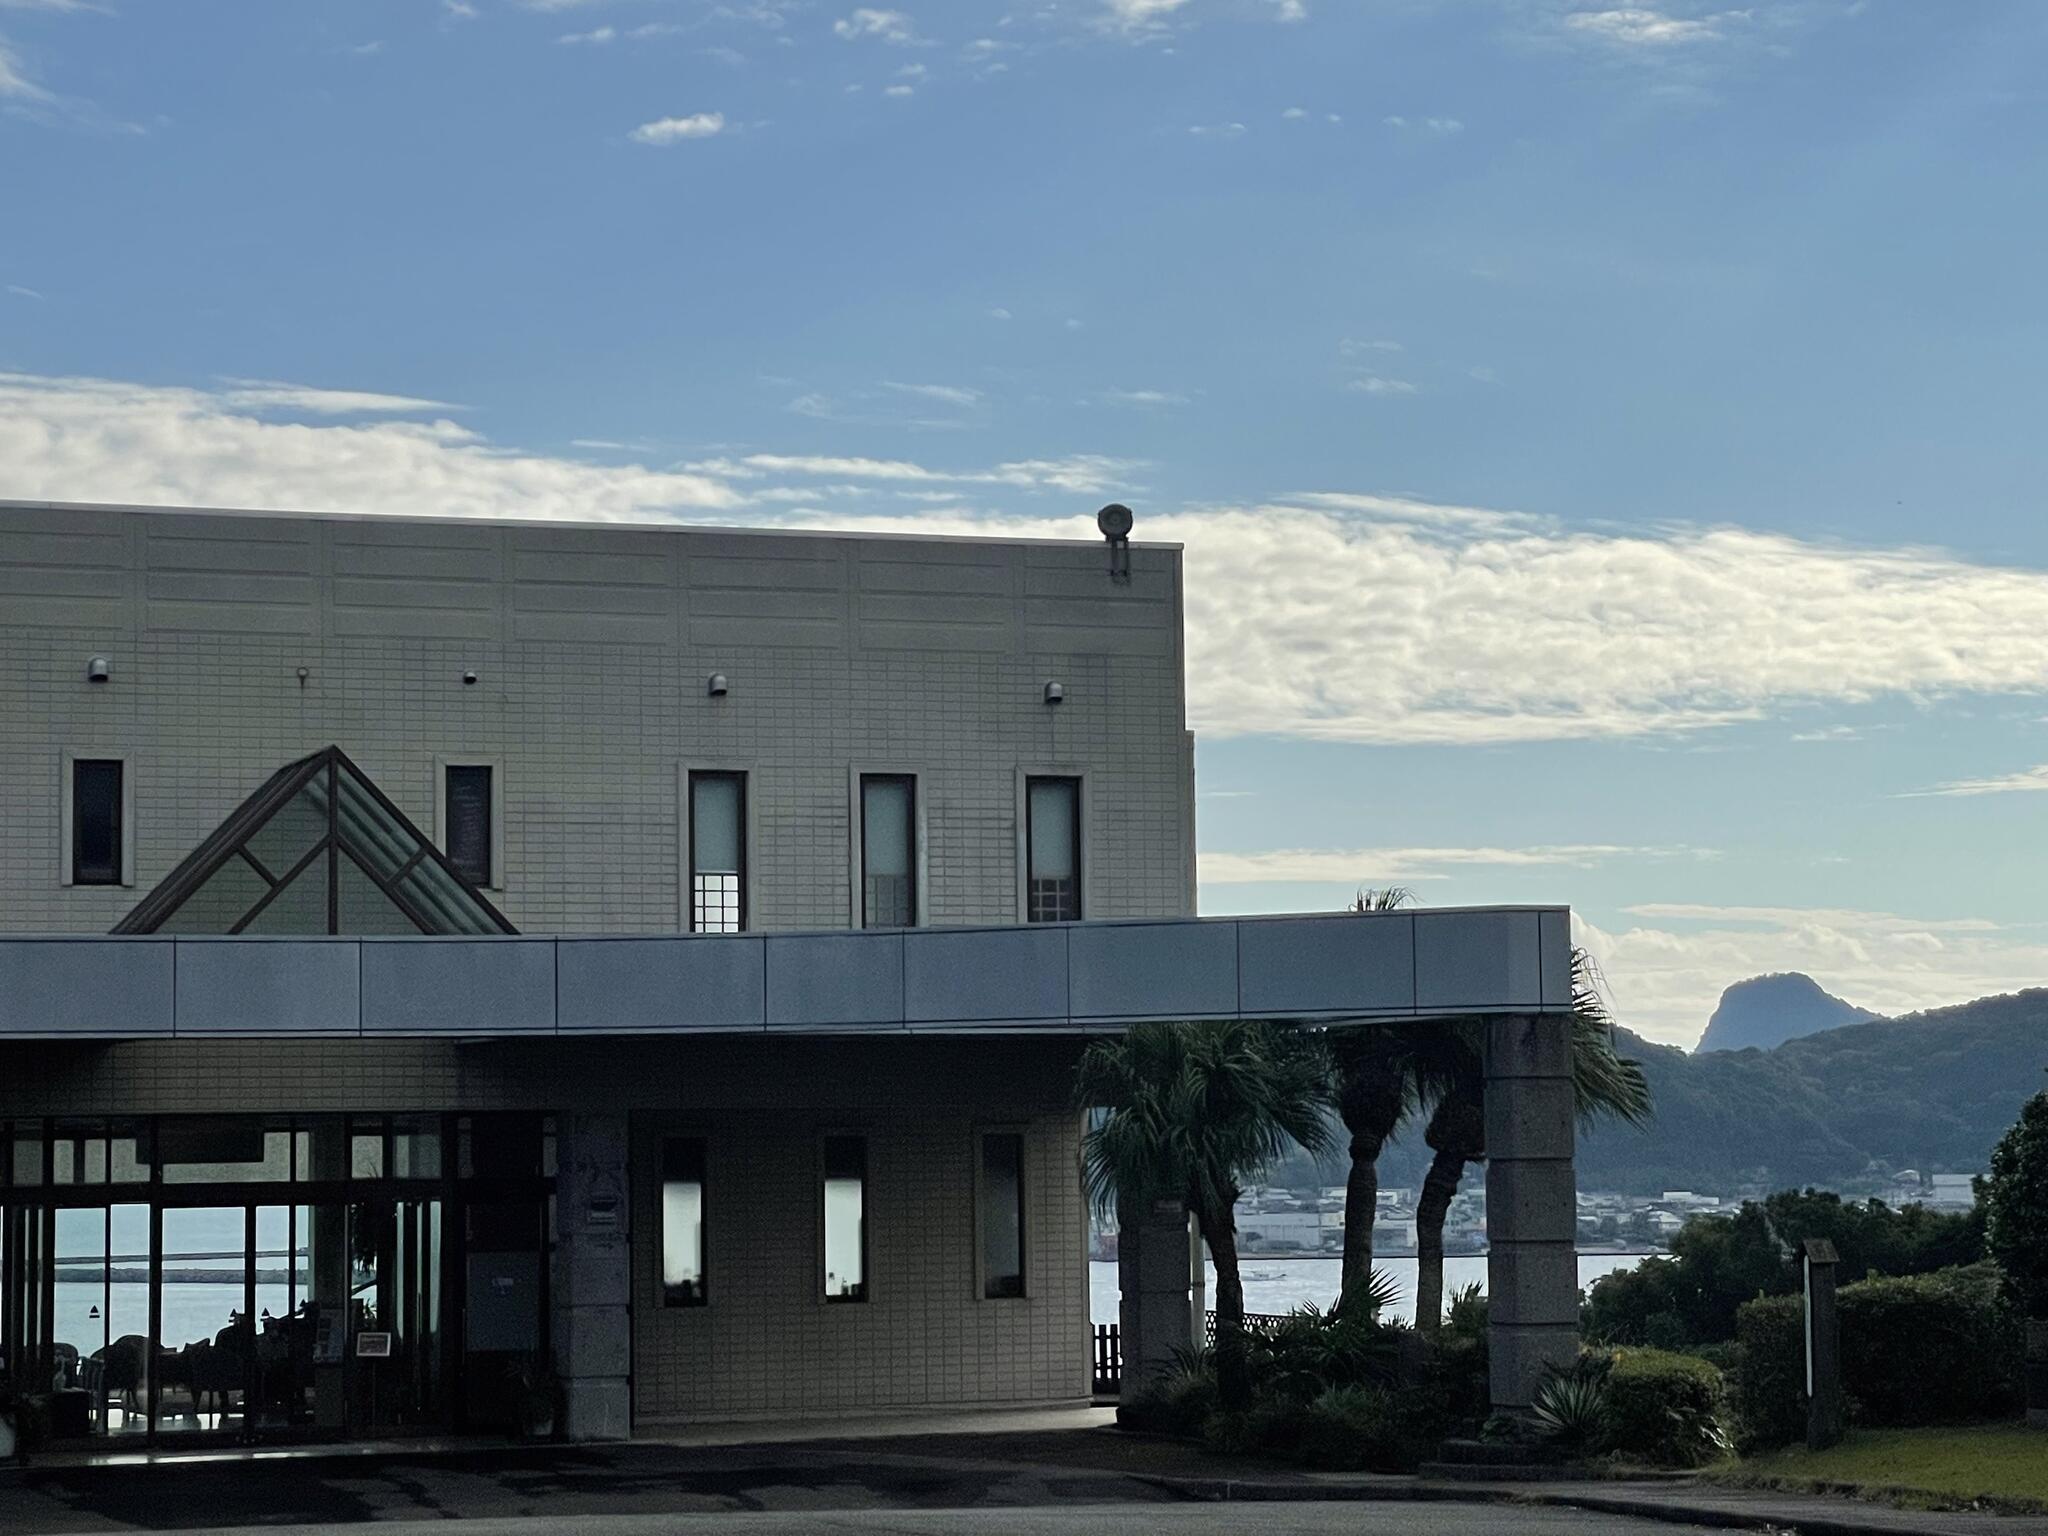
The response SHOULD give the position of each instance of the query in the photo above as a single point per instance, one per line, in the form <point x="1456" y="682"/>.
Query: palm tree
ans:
<point x="1604" y="1085"/>
<point x="1375" y="1088"/>
<point x="1194" y="1111"/>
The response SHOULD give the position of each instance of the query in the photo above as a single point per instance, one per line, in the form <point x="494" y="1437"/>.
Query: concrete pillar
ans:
<point x="593" y="1277"/>
<point x="1156" y="1314"/>
<point x="1532" y="1268"/>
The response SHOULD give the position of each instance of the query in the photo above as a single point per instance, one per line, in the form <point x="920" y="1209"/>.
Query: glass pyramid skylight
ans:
<point x="318" y="849"/>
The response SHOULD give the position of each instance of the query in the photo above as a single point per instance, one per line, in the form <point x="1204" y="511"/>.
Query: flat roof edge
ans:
<point x="652" y="522"/>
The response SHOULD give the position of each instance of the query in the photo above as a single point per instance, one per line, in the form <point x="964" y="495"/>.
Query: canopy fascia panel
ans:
<point x="1042" y="978"/>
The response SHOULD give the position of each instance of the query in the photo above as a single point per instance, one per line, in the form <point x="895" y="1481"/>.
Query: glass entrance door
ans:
<point x="396" y="1336"/>
<point x="205" y="1333"/>
<point x="99" y="1320"/>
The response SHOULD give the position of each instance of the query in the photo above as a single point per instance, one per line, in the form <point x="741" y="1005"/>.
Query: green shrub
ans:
<point x="1930" y="1349"/>
<point x="1665" y="1408"/>
<point x="1570" y="1410"/>
<point x="1916" y="1349"/>
<point x="1770" y="1373"/>
<point x="1308" y="1352"/>
<point x="1180" y="1403"/>
<point x="1364" y="1428"/>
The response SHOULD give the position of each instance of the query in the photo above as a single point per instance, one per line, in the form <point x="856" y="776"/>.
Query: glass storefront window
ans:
<point x="846" y="1255"/>
<point x="1002" y="1215"/>
<point x="682" y="1222"/>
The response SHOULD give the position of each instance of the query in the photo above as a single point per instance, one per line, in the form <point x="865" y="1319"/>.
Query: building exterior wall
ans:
<point x="766" y="1343"/>
<point x="591" y="648"/>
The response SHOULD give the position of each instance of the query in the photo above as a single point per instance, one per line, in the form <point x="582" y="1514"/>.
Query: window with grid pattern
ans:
<point x="1052" y="842"/>
<point x="888" y="850"/>
<point x="718" y="819"/>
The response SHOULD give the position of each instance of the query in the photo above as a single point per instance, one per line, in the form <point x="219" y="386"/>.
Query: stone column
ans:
<point x="593" y="1277"/>
<point x="1156" y="1314"/>
<point x="1532" y="1269"/>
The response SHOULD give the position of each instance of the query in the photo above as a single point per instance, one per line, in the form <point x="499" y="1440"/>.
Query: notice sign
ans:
<point x="373" y="1346"/>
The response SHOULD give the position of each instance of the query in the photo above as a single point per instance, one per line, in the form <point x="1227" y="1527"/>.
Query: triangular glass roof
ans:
<point x="318" y="849"/>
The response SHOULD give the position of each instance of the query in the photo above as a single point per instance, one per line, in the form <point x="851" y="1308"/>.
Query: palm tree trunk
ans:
<point x="1361" y="1207"/>
<point x="1439" y="1189"/>
<point x="1233" y="1379"/>
<point x="1371" y="1095"/>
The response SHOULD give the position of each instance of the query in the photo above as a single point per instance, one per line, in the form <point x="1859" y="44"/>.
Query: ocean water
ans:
<point x="1283" y="1285"/>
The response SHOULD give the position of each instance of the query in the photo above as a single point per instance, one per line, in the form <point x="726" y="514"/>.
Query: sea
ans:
<point x="1275" y="1285"/>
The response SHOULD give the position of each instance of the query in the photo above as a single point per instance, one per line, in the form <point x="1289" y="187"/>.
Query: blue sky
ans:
<point x="1607" y="437"/>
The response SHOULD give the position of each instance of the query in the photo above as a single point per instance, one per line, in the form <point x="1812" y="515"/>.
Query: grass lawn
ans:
<point x="2004" y="1464"/>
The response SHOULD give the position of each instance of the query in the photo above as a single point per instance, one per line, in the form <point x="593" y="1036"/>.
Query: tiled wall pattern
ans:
<point x="592" y="646"/>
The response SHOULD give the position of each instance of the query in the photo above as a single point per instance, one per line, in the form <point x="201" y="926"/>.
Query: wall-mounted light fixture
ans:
<point x="1055" y="693"/>
<point x="716" y="685"/>
<point x="98" y="669"/>
<point x="469" y="679"/>
<point x="304" y="673"/>
<point x="1115" y="522"/>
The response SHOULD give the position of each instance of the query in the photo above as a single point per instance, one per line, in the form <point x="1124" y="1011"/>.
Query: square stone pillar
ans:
<point x="593" y="1331"/>
<point x="1532" y="1265"/>
<point x="1156" y="1314"/>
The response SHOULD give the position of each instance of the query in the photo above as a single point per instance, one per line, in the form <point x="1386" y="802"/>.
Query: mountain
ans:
<point x="1769" y="1010"/>
<point x="1931" y="1091"/>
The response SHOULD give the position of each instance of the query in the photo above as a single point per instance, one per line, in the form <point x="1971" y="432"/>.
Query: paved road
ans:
<point x="758" y="1491"/>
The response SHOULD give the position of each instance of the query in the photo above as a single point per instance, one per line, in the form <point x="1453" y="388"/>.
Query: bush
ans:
<point x="1916" y="1349"/>
<point x="1770" y="1376"/>
<point x="1181" y="1403"/>
<point x="1930" y="1349"/>
<point x="2015" y="1196"/>
<point x="1665" y="1408"/>
<point x="1364" y="1428"/>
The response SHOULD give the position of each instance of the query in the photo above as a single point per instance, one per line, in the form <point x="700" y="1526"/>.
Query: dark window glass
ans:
<point x="888" y="850"/>
<point x="682" y="1222"/>
<point x="1052" y="844"/>
<point x="1002" y="1215"/>
<point x="469" y="822"/>
<point x="846" y="1241"/>
<point x="718" y="821"/>
<point x="95" y="821"/>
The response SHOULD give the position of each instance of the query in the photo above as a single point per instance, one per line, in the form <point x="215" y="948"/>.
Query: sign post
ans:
<point x="1823" y="1346"/>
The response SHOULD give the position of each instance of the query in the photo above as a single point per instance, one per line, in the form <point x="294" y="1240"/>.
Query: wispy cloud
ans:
<point x="271" y="395"/>
<point x="1637" y="27"/>
<point x="458" y="10"/>
<point x="882" y="26"/>
<point x="945" y="394"/>
<point x="1146" y="399"/>
<point x="15" y="84"/>
<point x="1218" y="130"/>
<point x="1378" y="384"/>
<point x="2027" y="780"/>
<point x="675" y="130"/>
<point x="598" y="35"/>
<point x="22" y="292"/>
<point x="1398" y="866"/>
<point x="1138" y="18"/>
<point x="1442" y="126"/>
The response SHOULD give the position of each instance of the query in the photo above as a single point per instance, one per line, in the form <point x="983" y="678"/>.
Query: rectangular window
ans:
<point x="1052" y="841"/>
<point x="846" y="1238"/>
<point x="468" y="821"/>
<point x="888" y="850"/>
<point x="718" y="838"/>
<point x="1002" y="1215"/>
<point x="96" y="820"/>
<point x="682" y="1222"/>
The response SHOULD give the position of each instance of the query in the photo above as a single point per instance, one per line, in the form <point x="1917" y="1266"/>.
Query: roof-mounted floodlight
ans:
<point x="1115" y="522"/>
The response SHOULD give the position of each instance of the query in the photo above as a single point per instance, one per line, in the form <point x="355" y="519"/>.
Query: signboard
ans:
<point x="327" y="1342"/>
<point x="373" y="1346"/>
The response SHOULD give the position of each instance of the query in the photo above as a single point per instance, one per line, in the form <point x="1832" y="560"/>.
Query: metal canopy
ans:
<point x="318" y="849"/>
<point x="1038" y="978"/>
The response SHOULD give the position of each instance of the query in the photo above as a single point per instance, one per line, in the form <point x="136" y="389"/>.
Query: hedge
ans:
<point x="1916" y="1349"/>
<point x="1664" y="1408"/>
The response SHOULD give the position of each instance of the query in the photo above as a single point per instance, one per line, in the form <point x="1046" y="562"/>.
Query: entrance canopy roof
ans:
<point x="1044" y="978"/>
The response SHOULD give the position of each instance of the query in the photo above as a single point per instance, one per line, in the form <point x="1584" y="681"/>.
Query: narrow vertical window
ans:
<point x="846" y="1242"/>
<point x="96" y="821"/>
<point x="888" y="850"/>
<point x="718" y="819"/>
<point x="1052" y="839"/>
<point x="682" y="1222"/>
<point x="468" y="791"/>
<point x="1002" y="1215"/>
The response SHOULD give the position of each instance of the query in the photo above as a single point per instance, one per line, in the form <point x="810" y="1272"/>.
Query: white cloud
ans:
<point x="1290" y="10"/>
<point x="1295" y="114"/>
<point x="884" y="26"/>
<point x="1218" y="130"/>
<point x="97" y="440"/>
<point x="2027" y="780"/>
<point x="1637" y="27"/>
<point x="999" y="313"/>
<point x="1399" y="866"/>
<point x="15" y="85"/>
<point x="21" y="292"/>
<point x="945" y="394"/>
<point x="1139" y="16"/>
<point x="269" y="394"/>
<point x="1375" y="384"/>
<point x="1438" y="125"/>
<point x="598" y="35"/>
<point x="899" y="90"/>
<point x="458" y="10"/>
<point x="1334" y="615"/>
<point x="1667" y="970"/>
<point x="1146" y="398"/>
<point x="674" y="130"/>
